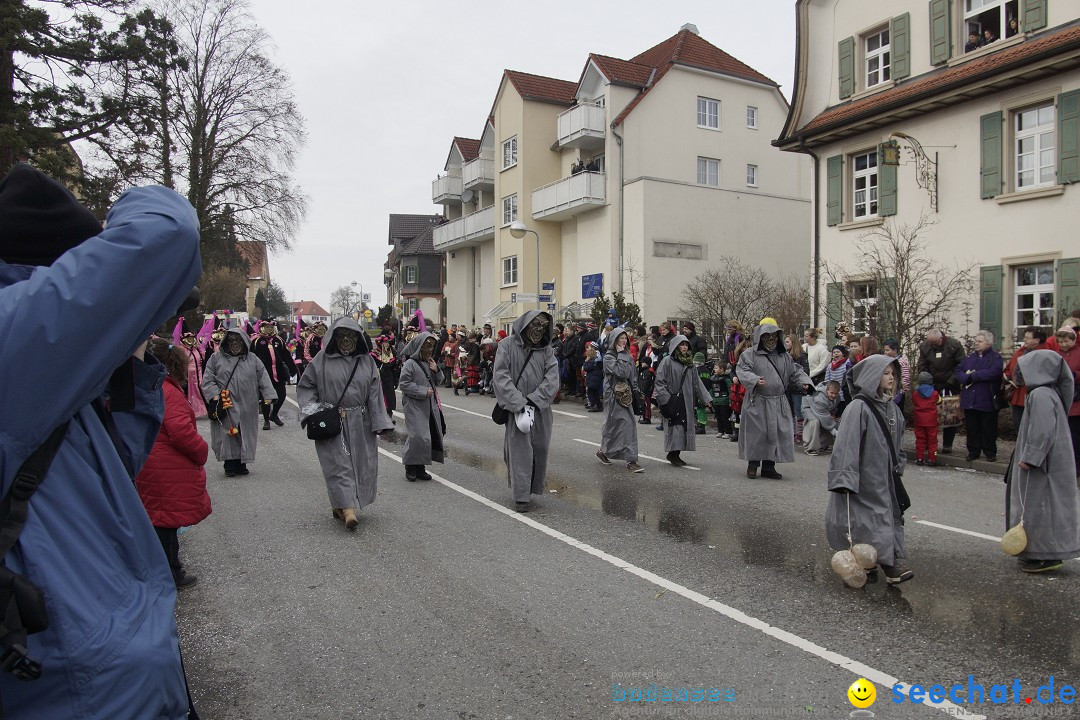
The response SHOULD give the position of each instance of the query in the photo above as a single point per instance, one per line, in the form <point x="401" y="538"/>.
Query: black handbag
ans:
<point x="499" y="414"/>
<point x="326" y="424"/>
<point x="674" y="410"/>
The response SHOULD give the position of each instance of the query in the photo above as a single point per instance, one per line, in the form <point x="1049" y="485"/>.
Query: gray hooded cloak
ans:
<point x="245" y="386"/>
<point x="423" y="414"/>
<point x="350" y="461"/>
<point x="669" y="374"/>
<point x="1047" y="492"/>
<point x="765" y="425"/>
<point x="861" y="464"/>
<point x="619" y="434"/>
<point x="526" y="454"/>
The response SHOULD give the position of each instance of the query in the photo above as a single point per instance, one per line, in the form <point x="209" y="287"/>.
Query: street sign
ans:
<point x="523" y="297"/>
<point x="544" y="298"/>
<point x="551" y="307"/>
<point x="549" y="286"/>
<point x="367" y="314"/>
<point x="365" y="297"/>
<point x="592" y="285"/>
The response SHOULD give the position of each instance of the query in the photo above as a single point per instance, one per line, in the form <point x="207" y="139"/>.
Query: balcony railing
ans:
<point x="582" y="126"/>
<point x="446" y="189"/>
<point x="465" y="231"/>
<point x="478" y="173"/>
<point x="570" y="196"/>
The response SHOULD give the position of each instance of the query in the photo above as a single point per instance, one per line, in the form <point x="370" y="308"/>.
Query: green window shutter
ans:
<point x="834" y="189"/>
<point x="885" y="311"/>
<point x="834" y="308"/>
<point x="990" y="301"/>
<point x="847" y="67"/>
<point x="940" y="32"/>
<point x="900" y="45"/>
<point x="1068" y="159"/>
<point x="1067" y="298"/>
<point x="990" y="153"/>
<point x="1034" y="15"/>
<point x="886" y="188"/>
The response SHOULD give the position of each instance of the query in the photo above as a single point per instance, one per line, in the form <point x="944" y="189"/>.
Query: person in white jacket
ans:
<point x="816" y="354"/>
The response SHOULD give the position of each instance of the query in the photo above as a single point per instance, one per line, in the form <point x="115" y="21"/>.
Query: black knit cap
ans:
<point x="40" y="219"/>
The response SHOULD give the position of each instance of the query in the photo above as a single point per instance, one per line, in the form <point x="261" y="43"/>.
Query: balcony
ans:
<point x="583" y="126"/>
<point x="466" y="231"/>
<point x="479" y="174"/>
<point x="563" y="199"/>
<point x="446" y="190"/>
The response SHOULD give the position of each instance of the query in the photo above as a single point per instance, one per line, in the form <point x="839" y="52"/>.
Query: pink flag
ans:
<point x="420" y="324"/>
<point x="178" y="331"/>
<point x="298" y="326"/>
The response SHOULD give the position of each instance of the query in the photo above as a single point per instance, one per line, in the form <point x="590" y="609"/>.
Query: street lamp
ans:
<point x="925" y="168"/>
<point x="518" y="230"/>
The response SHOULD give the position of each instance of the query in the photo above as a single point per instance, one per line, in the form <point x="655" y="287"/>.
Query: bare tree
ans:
<point x="345" y="298"/>
<point x="730" y="291"/>
<point x="789" y="303"/>
<point x="223" y="288"/>
<point x="634" y="278"/>
<point x="901" y="291"/>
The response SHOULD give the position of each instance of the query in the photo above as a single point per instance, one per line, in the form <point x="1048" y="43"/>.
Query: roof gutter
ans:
<point x="816" y="231"/>
<point x="622" y="206"/>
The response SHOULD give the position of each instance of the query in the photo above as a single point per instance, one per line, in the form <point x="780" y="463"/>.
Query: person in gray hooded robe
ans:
<point x="349" y="461"/>
<point x="675" y="374"/>
<point x="769" y="373"/>
<point x="863" y="482"/>
<point x="526" y="374"/>
<point x="1041" y="486"/>
<point x="619" y="433"/>
<point x="235" y="437"/>
<point x="420" y="378"/>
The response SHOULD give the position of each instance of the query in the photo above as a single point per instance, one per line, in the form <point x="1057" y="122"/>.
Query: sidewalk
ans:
<point x="1005" y="450"/>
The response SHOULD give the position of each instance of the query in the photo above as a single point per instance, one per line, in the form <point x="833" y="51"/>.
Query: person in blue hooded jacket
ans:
<point x="76" y="303"/>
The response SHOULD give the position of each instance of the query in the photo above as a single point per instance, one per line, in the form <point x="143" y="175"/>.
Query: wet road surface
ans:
<point x="441" y="606"/>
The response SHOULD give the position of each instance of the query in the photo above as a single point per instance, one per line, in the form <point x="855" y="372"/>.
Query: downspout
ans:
<point x="622" y="210"/>
<point x="816" y="229"/>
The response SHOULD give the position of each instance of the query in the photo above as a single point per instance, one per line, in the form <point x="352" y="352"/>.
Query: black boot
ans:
<point x="410" y="473"/>
<point x="230" y="468"/>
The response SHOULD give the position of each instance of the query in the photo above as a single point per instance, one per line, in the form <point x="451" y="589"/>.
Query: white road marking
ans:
<point x="470" y="412"/>
<point x="859" y="669"/>
<point x="958" y="530"/>
<point x="293" y="402"/>
<point x="647" y="457"/>
<point x="569" y="414"/>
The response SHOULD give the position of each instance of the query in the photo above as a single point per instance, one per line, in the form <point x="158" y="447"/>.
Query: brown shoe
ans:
<point x="339" y="514"/>
<point x="602" y="457"/>
<point x="634" y="467"/>
<point x="350" y="518"/>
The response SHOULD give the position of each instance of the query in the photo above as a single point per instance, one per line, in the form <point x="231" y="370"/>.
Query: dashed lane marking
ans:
<point x="647" y="457"/>
<point x="959" y="530"/>
<point x="859" y="669"/>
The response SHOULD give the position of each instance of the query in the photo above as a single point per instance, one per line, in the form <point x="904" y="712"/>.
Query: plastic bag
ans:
<point x="1015" y="540"/>
<point x="865" y="555"/>
<point x="847" y="567"/>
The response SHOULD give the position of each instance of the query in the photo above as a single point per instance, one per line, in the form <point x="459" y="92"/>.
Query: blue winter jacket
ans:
<point x="111" y="649"/>
<point x="982" y="383"/>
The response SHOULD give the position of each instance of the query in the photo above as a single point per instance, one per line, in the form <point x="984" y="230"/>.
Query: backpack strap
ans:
<point x="21" y="602"/>
<point x="899" y="491"/>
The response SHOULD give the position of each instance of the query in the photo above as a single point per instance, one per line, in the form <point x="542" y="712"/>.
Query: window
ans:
<point x="413" y="304"/>
<point x="751" y="117"/>
<point x="708" y="171"/>
<point x="751" y="175"/>
<point x="410" y="274"/>
<point x="509" y="152"/>
<point x="509" y="209"/>
<point x="990" y="20"/>
<point x="876" y="58"/>
<point x="1034" y="144"/>
<point x="509" y="270"/>
<point x="865" y="184"/>
<point x="708" y="113"/>
<point x="863" y="304"/>
<point x="1034" y="295"/>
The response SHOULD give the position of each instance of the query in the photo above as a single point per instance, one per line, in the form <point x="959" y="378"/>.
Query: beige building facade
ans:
<point x="635" y="177"/>
<point x="980" y="100"/>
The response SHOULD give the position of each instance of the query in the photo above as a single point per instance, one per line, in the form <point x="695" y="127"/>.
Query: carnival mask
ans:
<point x="320" y="330"/>
<point x="769" y="341"/>
<point x="266" y="330"/>
<point x="346" y="341"/>
<point x="188" y="340"/>
<point x="217" y="336"/>
<point x="234" y="345"/>
<point x="536" y="330"/>
<point x="427" y="348"/>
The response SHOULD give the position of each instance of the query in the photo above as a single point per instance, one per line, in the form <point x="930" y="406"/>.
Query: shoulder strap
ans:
<point x="33" y="470"/>
<point x="347" y="382"/>
<point x="524" y="365"/>
<point x="902" y="498"/>
<point x="238" y="359"/>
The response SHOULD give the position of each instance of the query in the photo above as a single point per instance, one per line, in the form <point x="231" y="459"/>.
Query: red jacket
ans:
<point x="1072" y="359"/>
<point x="172" y="483"/>
<point x="925" y="414"/>
<point x="738" y="392"/>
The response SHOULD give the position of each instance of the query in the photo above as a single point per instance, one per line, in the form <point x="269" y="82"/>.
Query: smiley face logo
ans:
<point x="862" y="693"/>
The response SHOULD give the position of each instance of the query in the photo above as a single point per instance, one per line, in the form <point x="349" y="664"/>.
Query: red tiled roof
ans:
<point x="543" y="89"/>
<point x="307" y="307"/>
<point x="469" y="148"/>
<point x="943" y="80"/>
<point x="690" y="49"/>
<point x="622" y="72"/>
<point x="254" y="251"/>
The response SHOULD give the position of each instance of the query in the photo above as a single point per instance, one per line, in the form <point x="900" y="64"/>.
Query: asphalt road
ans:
<point x="446" y="604"/>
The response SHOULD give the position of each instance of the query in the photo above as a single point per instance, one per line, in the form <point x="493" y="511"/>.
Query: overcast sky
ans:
<point x="384" y="88"/>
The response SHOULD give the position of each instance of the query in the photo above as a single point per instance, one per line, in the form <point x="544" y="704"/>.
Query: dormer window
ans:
<point x="877" y="57"/>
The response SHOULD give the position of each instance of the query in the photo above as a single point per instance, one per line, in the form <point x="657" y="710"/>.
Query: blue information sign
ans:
<point x="592" y="285"/>
<point x="548" y="286"/>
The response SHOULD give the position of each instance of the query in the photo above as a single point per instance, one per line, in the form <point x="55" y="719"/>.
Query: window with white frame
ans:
<point x="509" y="148"/>
<point x="876" y="57"/>
<point x="1034" y="294"/>
<point x="708" y="113"/>
<point x="990" y="16"/>
<point x="509" y="209"/>
<point x="414" y="304"/>
<point x="864" y="179"/>
<point x="751" y="175"/>
<point x="509" y="270"/>
<point x="863" y="304"/>
<point x="708" y="171"/>
<point x="410" y="274"/>
<point x="1034" y="147"/>
<point x="751" y="117"/>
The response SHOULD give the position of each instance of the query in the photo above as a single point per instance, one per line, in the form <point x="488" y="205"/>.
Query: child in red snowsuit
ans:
<point x="926" y="401"/>
<point x="738" y="392"/>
